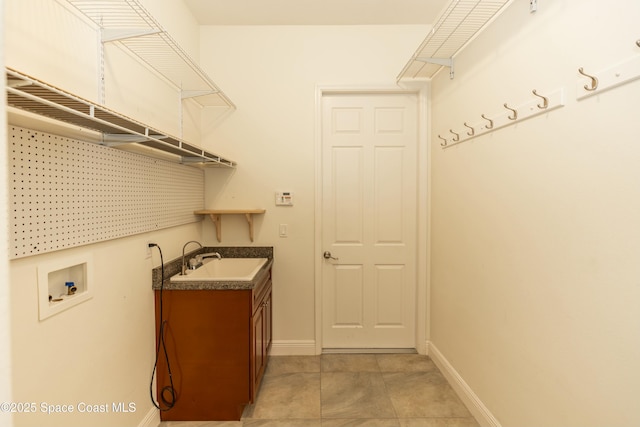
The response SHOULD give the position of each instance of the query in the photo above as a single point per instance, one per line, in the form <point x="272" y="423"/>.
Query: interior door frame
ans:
<point x="421" y="90"/>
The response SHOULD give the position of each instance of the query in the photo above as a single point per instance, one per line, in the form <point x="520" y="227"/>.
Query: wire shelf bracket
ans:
<point x="445" y="62"/>
<point x="113" y="35"/>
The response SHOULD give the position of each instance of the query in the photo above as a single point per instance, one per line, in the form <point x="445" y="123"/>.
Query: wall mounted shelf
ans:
<point x="457" y="25"/>
<point x="37" y="97"/>
<point x="128" y="23"/>
<point x="216" y="217"/>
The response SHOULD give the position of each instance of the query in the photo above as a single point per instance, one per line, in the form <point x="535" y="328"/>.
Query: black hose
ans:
<point x="167" y="394"/>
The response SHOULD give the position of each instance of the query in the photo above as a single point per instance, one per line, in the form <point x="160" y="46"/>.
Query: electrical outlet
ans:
<point x="148" y="249"/>
<point x="533" y="5"/>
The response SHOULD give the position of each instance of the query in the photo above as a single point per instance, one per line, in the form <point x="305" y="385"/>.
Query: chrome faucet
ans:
<point x="200" y="257"/>
<point x="184" y="266"/>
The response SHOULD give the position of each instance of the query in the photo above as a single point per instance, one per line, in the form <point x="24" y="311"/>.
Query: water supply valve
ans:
<point x="71" y="288"/>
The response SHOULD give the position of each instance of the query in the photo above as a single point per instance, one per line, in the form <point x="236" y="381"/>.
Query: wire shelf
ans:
<point x="128" y="23"/>
<point x="460" y="21"/>
<point x="37" y="97"/>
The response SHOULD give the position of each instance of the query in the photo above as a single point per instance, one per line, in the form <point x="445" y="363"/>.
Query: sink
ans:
<point x="225" y="269"/>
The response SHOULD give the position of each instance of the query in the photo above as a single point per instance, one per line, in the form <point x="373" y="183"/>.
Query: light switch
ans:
<point x="283" y="230"/>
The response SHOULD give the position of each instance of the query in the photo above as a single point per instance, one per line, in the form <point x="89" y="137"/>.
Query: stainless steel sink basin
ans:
<point x="225" y="269"/>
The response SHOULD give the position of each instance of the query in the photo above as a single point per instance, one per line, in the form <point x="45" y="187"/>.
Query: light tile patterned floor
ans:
<point x="351" y="390"/>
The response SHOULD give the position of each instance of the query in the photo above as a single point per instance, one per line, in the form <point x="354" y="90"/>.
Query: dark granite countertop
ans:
<point x="174" y="266"/>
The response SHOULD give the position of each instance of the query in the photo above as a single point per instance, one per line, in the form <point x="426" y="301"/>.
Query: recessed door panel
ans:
<point x="389" y="120"/>
<point x="388" y="193"/>
<point x="348" y="194"/>
<point x="346" y="120"/>
<point x="390" y="296"/>
<point x="349" y="294"/>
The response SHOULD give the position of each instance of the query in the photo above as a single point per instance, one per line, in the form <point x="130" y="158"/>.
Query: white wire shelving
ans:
<point x="37" y="97"/>
<point x="460" y="22"/>
<point x="128" y="23"/>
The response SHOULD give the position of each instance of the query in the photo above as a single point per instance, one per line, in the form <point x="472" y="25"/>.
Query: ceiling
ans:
<point x="315" y="12"/>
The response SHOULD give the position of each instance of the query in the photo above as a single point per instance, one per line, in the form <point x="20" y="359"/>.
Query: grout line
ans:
<point x="386" y="391"/>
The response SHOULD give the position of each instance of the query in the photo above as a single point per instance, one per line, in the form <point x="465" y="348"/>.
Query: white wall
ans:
<point x="535" y="236"/>
<point x="5" y="330"/>
<point x="271" y="73"/>
<point x="100" y="351"/>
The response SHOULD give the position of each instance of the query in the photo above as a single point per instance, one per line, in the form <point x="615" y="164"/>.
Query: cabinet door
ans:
<point x="268" y="324"/>
<point x="258" y="343"/>
<point x="261" y="332"/>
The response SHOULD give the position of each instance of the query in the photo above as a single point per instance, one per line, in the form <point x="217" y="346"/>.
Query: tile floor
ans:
<point x="354" y="390"/>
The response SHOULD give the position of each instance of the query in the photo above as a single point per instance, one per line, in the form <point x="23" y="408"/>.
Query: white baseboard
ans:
<point x="470" y="399"/>
<point x="152" y="419"/>
<point x="293" y="348"/>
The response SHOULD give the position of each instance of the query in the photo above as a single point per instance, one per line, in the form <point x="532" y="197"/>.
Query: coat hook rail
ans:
<point x="545" y="100"/>
<point x="530" y="108"/>
<point x="609" y="78"/>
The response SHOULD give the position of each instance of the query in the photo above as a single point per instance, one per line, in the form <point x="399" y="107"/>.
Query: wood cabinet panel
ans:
<point x="217" y="343"/>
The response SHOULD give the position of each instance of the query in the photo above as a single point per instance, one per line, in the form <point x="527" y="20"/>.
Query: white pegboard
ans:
<point x="66" y="193"/>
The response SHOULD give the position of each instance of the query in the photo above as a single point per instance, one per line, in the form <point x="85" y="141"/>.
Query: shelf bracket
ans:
<point x="217" y="221"/>
<point x="187" y="94"/>
<point x="445" y="62"/>
<point x="16" y="83"/>
<point x="116" y="34"/>
<point x="116" y="139"/>
<point x="216" y="217"/>
<point x="250" y="221"/>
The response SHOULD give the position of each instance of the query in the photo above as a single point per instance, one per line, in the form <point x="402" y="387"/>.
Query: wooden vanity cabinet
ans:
<point x="218" y="343"/>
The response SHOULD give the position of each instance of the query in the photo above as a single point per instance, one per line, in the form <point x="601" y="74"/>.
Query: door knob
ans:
<point x="327" y="255"/>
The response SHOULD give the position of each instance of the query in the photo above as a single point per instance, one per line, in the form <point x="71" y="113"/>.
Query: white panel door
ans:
<point x="369" y="209"/>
